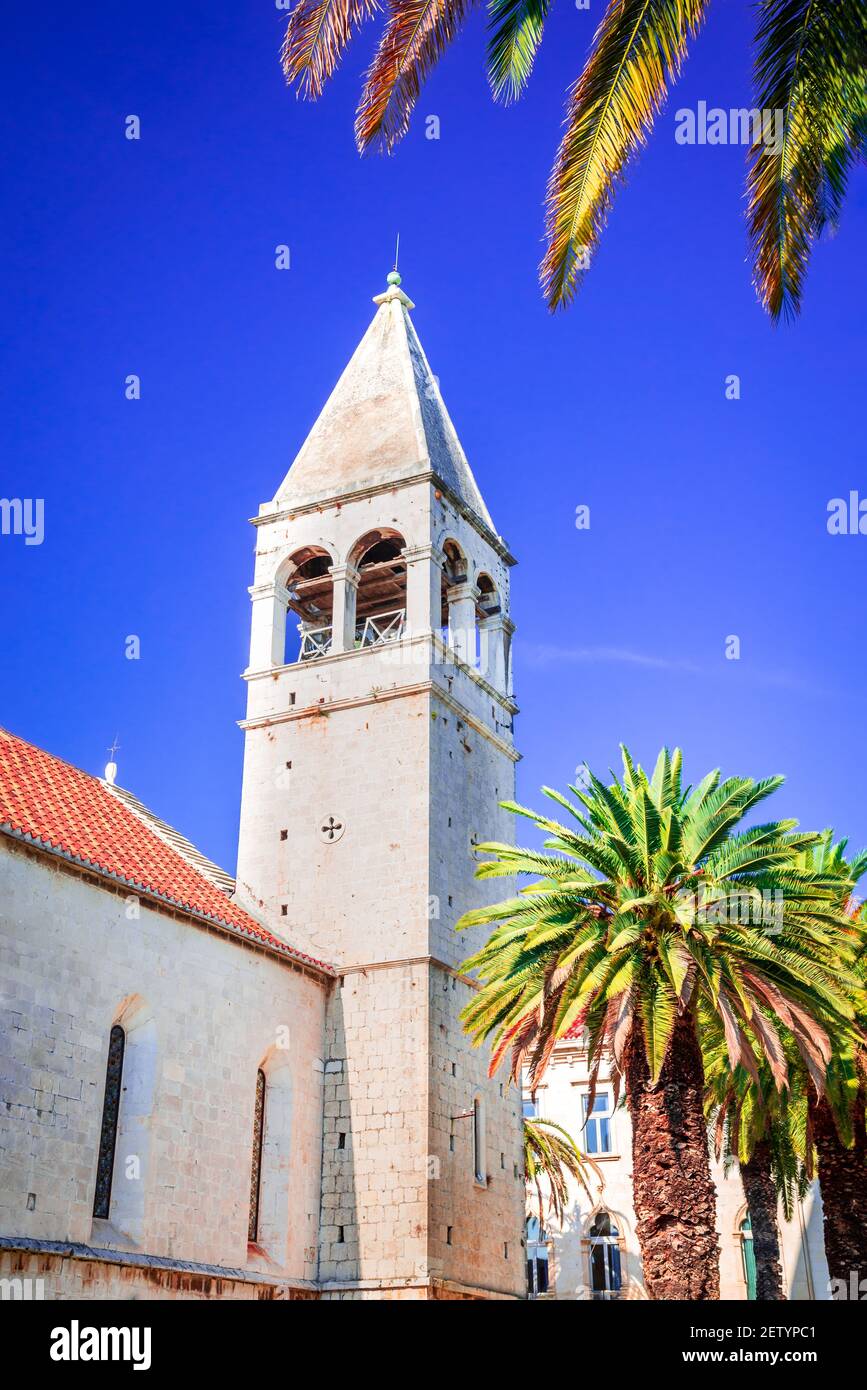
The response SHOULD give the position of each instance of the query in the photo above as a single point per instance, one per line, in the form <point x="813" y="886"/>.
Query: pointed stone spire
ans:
<point x="385" y="420"/>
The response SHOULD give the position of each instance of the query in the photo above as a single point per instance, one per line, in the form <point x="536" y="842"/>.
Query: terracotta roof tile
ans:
<point x="60" y="808"/>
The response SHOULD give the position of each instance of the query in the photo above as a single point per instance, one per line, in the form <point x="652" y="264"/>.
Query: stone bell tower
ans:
<point x="378" y="745"/>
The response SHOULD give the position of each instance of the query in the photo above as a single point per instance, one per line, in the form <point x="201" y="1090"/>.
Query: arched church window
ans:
<point x="256" y="1168"/>
<point x="606" y="1279"/>
<point x="108" y="1132"/>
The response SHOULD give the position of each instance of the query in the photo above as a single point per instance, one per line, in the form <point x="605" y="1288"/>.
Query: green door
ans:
<point x="748" y="1256"/>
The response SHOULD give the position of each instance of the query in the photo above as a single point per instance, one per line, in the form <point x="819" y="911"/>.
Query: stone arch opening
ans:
<point x="309" y="589"/>
<point x="455" y="570"/>
<point x="488" y="602"/>
<point x="458" y="606"/>
<point x="494" y="634"/>
<point x="378" y="561"/>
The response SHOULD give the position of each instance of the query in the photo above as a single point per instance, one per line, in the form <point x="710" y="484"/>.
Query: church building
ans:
<point x="259" y="1087"/>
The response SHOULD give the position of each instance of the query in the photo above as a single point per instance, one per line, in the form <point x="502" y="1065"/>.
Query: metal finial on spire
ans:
<point x="393" y="277"/>
<point x="393" y="291"/>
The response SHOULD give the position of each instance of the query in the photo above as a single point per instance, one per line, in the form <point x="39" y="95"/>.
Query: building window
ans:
<point x="606" y="1279"/>
<point x="537" y="1258"/>
<point x="597" y="1123"/>
<point x="108" y="1133"/>
<point x="479" y="1165"/>
<point x="256" y="1172"/>
<point x="748" y="1256"/>
<point x="530" y="1106"/>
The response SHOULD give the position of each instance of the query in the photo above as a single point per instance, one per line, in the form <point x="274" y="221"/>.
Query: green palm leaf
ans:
<point x="637" y="51"/>
<point x="551" y="1157"/>
<point x="810" y="70"/>
<point x="516" y="32"/>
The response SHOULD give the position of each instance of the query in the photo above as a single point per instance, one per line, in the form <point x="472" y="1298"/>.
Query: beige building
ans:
<point x="595" y="1254"/>
<point x="260" y="1088"/>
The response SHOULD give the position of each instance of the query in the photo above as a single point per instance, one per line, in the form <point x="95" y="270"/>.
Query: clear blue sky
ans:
<point x="708" y="517"/>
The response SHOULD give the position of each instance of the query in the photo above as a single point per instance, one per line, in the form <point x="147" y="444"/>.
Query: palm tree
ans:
<point x="765" y="1128"/>
<point x="635" y="922"/>
<point x="808" y="78"/>
<point x="838" y="1126"/>
<point x="551" y="1157"/>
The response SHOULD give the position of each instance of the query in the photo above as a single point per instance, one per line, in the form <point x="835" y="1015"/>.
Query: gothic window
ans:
<point x="606" y="1279"/>
<point x="108" y="1133"/>
<point x="256" y="1171"/>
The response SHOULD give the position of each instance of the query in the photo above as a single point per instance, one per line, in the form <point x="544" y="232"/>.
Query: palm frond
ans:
<point x="516" y="31"/>
<point x="317" y="34"/>
<point x="551" y="1157"/>
<point x="637" y="51"/>
<point x="810" y="79"/>
<point x="416" y="35"/>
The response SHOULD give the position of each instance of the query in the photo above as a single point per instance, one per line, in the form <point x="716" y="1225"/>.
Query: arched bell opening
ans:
<point x="310" y="596"/>
<point x="493" y="634"/>
<point x="454" y="571"/>
<point x="380" y="596"/>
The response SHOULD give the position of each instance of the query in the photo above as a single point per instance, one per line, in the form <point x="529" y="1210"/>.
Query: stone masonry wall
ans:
<point x="374" y="1180"/>
<point x="203" y="1013"/>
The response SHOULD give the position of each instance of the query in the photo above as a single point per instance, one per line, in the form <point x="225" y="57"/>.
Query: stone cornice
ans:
<point x="423" y="474"/>
<point x="374" y="697"/>
<point x="448" y="655"/>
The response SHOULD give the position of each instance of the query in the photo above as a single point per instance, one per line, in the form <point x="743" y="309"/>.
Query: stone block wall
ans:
<point x="203" y="1012"/>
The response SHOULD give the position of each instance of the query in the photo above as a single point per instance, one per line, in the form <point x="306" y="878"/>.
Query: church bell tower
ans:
<point x="378" y="744"/>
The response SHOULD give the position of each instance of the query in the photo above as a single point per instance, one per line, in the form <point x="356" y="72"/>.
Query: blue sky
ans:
<point x="156" y="257"/>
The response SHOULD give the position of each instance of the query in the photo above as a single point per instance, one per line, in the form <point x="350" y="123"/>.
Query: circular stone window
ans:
<point x="331" y="829"/>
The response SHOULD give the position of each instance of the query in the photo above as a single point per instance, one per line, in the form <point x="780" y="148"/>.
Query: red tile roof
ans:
<point x="46" y="802"/>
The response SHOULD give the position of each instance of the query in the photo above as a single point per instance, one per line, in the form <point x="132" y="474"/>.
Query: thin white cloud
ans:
<point x="539" y="654"/>
<point x="549" y="655"/>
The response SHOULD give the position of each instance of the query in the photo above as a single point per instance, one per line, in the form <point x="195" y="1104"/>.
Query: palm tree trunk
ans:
<point x="761" y="1194"/>
<point x="674" y="1194"/>
<point x="842" y="1178"/>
